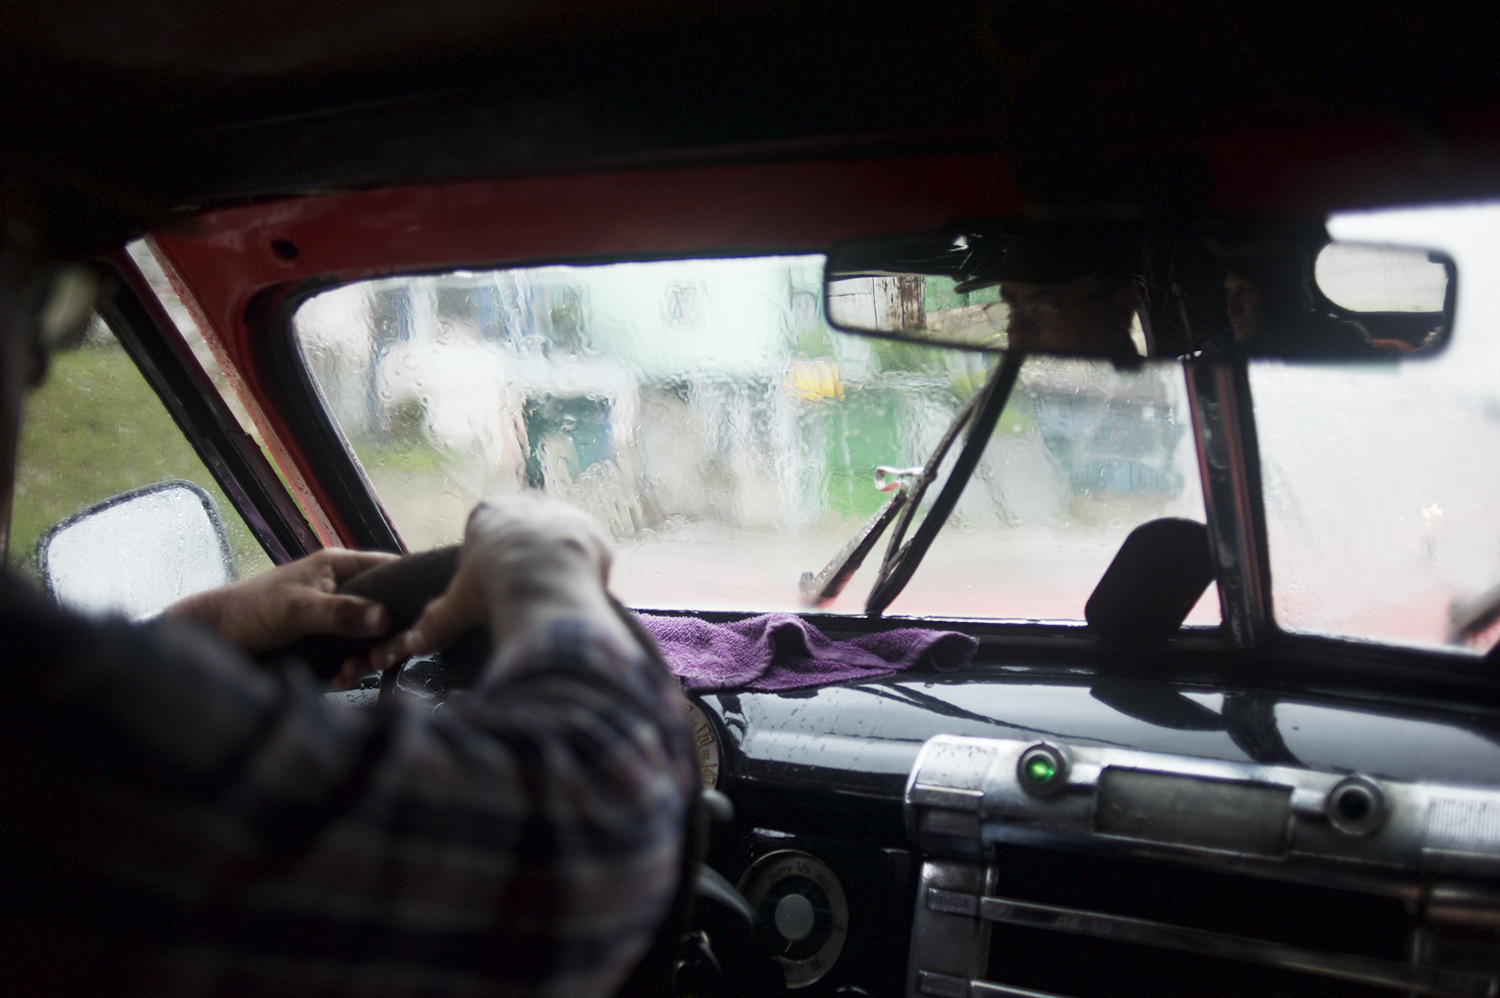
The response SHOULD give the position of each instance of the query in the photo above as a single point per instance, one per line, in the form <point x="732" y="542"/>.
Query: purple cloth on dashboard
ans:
<point x="781" y="651"/>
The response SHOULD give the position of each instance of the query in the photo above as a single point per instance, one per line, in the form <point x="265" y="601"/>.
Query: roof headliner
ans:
<point x="141" y="107"/>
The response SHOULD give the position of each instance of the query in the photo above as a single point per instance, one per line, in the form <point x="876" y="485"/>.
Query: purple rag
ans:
<point x="781" y="651"/>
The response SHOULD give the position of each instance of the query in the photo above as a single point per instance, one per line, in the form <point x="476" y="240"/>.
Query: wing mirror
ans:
<point x="138" y="552"/>
<point x="1127" y="291"/>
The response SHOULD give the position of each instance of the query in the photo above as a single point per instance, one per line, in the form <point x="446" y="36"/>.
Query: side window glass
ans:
<point x="1381" y="484"/>
<point x="96" y="429"/>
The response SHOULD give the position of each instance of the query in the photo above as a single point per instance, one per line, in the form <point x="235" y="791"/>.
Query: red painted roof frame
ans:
<point x="261" y="253"/>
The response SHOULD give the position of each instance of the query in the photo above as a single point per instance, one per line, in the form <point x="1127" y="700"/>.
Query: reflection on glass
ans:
<point x="1366" y="278"/>
<point x="929" y="308"/>
<point x="705" y="412"/>
<point x="138" y="553"/>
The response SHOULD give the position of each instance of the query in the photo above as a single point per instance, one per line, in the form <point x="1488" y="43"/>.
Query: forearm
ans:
<point x="169" y="700"/>
<point x="529" y="834"/>
<point x="542" y="818"/>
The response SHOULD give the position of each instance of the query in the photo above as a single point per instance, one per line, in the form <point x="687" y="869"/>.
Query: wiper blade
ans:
<point x="1471" y="617"/>
<point x="825" y="587"/>
<point x="978" y="416"/>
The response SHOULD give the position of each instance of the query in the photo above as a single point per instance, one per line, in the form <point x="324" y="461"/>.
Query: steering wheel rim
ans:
<point x="404" y="586"/>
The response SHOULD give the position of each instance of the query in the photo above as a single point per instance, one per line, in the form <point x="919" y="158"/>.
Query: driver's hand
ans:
<point x="525" y="559"/>
<point x="295" y="600"/>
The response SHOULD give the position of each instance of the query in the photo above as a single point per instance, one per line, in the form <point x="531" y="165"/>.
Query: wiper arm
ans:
<point x="978" y="415"/>
<point x="825" y="587"/>
<point x="978" y="420"/>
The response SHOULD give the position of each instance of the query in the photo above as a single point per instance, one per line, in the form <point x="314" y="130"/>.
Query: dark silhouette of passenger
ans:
<point x="1273" y="311"/>
<point x="1070" y="288"/>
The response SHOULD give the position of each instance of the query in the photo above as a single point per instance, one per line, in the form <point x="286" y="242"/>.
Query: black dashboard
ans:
<point x="1035" y="833"/>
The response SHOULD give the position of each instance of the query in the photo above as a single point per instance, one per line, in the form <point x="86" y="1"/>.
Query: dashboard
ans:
<point x="1028" y="835"/>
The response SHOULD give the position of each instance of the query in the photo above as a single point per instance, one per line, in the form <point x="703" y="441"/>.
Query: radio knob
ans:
<point x="1355" y="806"/>
<point x="795" y="917"/>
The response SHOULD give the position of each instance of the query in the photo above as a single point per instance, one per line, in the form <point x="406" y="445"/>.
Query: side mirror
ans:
<point x="138" y="552"/>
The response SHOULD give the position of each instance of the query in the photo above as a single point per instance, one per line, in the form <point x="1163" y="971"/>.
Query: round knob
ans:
<point x="1355" y="806"/>
<point x="802" y="912"/>
<point x="794" y="917"/>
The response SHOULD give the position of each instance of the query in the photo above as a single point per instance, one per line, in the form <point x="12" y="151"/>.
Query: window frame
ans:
<point x="153" y="343"/>
<point x="1010" y="650"/>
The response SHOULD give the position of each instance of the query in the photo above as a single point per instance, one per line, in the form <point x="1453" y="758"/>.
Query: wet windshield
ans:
<point x="1381" y="480"/>
<point x="705" y="412"/>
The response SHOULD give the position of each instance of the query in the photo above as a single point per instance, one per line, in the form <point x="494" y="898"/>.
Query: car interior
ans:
<point x="788" y="297"/>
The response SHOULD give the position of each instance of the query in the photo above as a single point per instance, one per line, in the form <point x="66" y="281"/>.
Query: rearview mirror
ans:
<point x="1124" y="291"/>
<point x="1402" y="297"/>
<point x="138" y="552"/>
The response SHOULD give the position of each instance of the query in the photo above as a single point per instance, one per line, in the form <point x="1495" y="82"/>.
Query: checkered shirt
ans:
<point x="178" y="821"/>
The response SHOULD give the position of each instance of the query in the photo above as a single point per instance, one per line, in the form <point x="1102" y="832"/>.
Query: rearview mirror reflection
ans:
<point x="1123" y="291"/>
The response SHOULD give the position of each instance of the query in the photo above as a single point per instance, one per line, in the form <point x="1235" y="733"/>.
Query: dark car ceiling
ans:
<point x="136" y="107"/>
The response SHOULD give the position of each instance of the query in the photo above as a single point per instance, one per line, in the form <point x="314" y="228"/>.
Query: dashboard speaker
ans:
<point x="802" y="914"/>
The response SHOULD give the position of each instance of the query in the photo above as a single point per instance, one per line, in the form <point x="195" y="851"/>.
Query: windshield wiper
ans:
<point x="1471" y="617"/>
<point x="824" y="587"/>
<point x="978" y="416"/>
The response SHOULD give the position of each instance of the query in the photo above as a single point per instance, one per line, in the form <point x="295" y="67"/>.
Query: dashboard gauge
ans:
<point x="802" y="913"/>
<point x="705" y="745"/>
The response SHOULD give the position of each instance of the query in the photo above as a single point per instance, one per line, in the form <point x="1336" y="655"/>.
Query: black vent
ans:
<point x="1312" y="918"/>
<point x="1057" y="963"/>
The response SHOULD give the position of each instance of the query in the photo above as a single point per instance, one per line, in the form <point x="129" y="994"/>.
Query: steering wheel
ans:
<point x="405" y="586"/>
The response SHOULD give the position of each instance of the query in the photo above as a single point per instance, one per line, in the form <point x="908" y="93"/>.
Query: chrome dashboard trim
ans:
<point x="1435" y="846"/>
<point x="960" y="785"/>
<point x="945" y="986"/>
<point x="943" y="944"/>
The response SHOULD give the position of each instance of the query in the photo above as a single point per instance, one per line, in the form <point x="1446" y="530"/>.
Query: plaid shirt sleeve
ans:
<point x="236" y="833"/>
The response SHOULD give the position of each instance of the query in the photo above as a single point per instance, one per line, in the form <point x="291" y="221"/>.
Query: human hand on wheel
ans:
<point x="291" y="601"/>
<point x="525" y="559"/>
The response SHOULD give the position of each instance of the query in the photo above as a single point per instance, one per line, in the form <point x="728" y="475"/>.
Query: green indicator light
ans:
<point x="1040" y="768"/>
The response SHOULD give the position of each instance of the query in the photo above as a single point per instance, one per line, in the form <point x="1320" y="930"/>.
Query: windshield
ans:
<point x="704" y="411"/>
